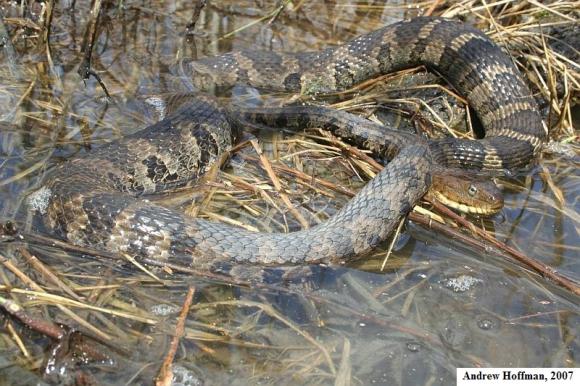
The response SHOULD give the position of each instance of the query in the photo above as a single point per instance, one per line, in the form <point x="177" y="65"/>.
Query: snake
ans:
<point x="99" y="198"/>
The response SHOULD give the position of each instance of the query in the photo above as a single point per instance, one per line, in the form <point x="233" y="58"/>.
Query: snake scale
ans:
<point x="94" y="198"/>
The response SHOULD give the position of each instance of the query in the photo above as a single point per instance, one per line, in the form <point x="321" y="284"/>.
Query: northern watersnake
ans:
<point x="94" y="198"/>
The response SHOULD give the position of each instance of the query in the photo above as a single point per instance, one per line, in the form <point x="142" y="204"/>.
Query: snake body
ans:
<point x="94" y="197"/>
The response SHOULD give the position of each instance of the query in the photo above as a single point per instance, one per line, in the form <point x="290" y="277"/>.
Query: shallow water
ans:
<point x="438" y="305"/>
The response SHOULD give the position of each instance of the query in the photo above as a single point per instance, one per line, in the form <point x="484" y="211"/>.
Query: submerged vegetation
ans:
<point x="446" y="292"/>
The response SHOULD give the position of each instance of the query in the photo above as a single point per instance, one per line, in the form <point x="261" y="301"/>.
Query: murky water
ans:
<point x="439" y="304"/>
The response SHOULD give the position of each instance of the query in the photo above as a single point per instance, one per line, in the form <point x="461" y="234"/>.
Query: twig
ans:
<point x="190" y="27"/>
<point x="85" y="70"/>
<point x="166" y="372"/>
<point x="89" y="346"/>
<point x="39" y="291"/>
<point x="42" y="326"/>
<point x="442" y="228"/>
<point x="539" y="267"/>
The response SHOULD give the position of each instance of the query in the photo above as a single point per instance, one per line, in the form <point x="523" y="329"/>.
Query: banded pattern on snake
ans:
<point x="94" y="197"/>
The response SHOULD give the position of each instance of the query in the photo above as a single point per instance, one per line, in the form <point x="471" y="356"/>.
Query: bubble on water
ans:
<point x="39" y="200"/>
<point x="562" y="149"/>
<point x="486" y="324"/>
<point x="461" y="283"/>
<point x="184" y="377"/>
<point x="163" y="309"/>
<point x="414" y="346"/>
<point x="158" y="104"/>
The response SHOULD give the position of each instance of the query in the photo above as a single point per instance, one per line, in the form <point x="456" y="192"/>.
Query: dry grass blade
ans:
<point x="65" y="302"/>
<point x="32" y="284"/>
<point x="141" y="267"/>
<point x="16" y="338"/>
<point x="276" y="182"/>
<point x="37" y="264"/>
<point x="344" y="374"/>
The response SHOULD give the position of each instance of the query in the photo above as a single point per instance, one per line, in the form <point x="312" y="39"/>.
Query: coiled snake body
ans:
<point x="94" y="197"/>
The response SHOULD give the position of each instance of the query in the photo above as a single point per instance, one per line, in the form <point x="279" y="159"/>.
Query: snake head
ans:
<point x="467" y="193"/>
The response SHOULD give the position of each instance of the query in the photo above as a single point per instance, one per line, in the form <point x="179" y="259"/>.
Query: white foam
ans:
<point x="39" y="200"/>
<point x="461" y="283"/>
<point x="163" y="309"/>
<point x="158" y="104"/>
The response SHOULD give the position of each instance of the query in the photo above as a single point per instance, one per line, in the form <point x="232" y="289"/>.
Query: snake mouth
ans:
<point x="481" y="210"/>
<point x="466" y="192"/>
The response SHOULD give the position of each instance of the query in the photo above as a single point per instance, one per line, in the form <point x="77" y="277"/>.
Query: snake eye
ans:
<point x="472" y="190"/>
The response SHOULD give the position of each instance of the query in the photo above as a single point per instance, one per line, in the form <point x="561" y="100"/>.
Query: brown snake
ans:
<point x="93" y="198"/>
